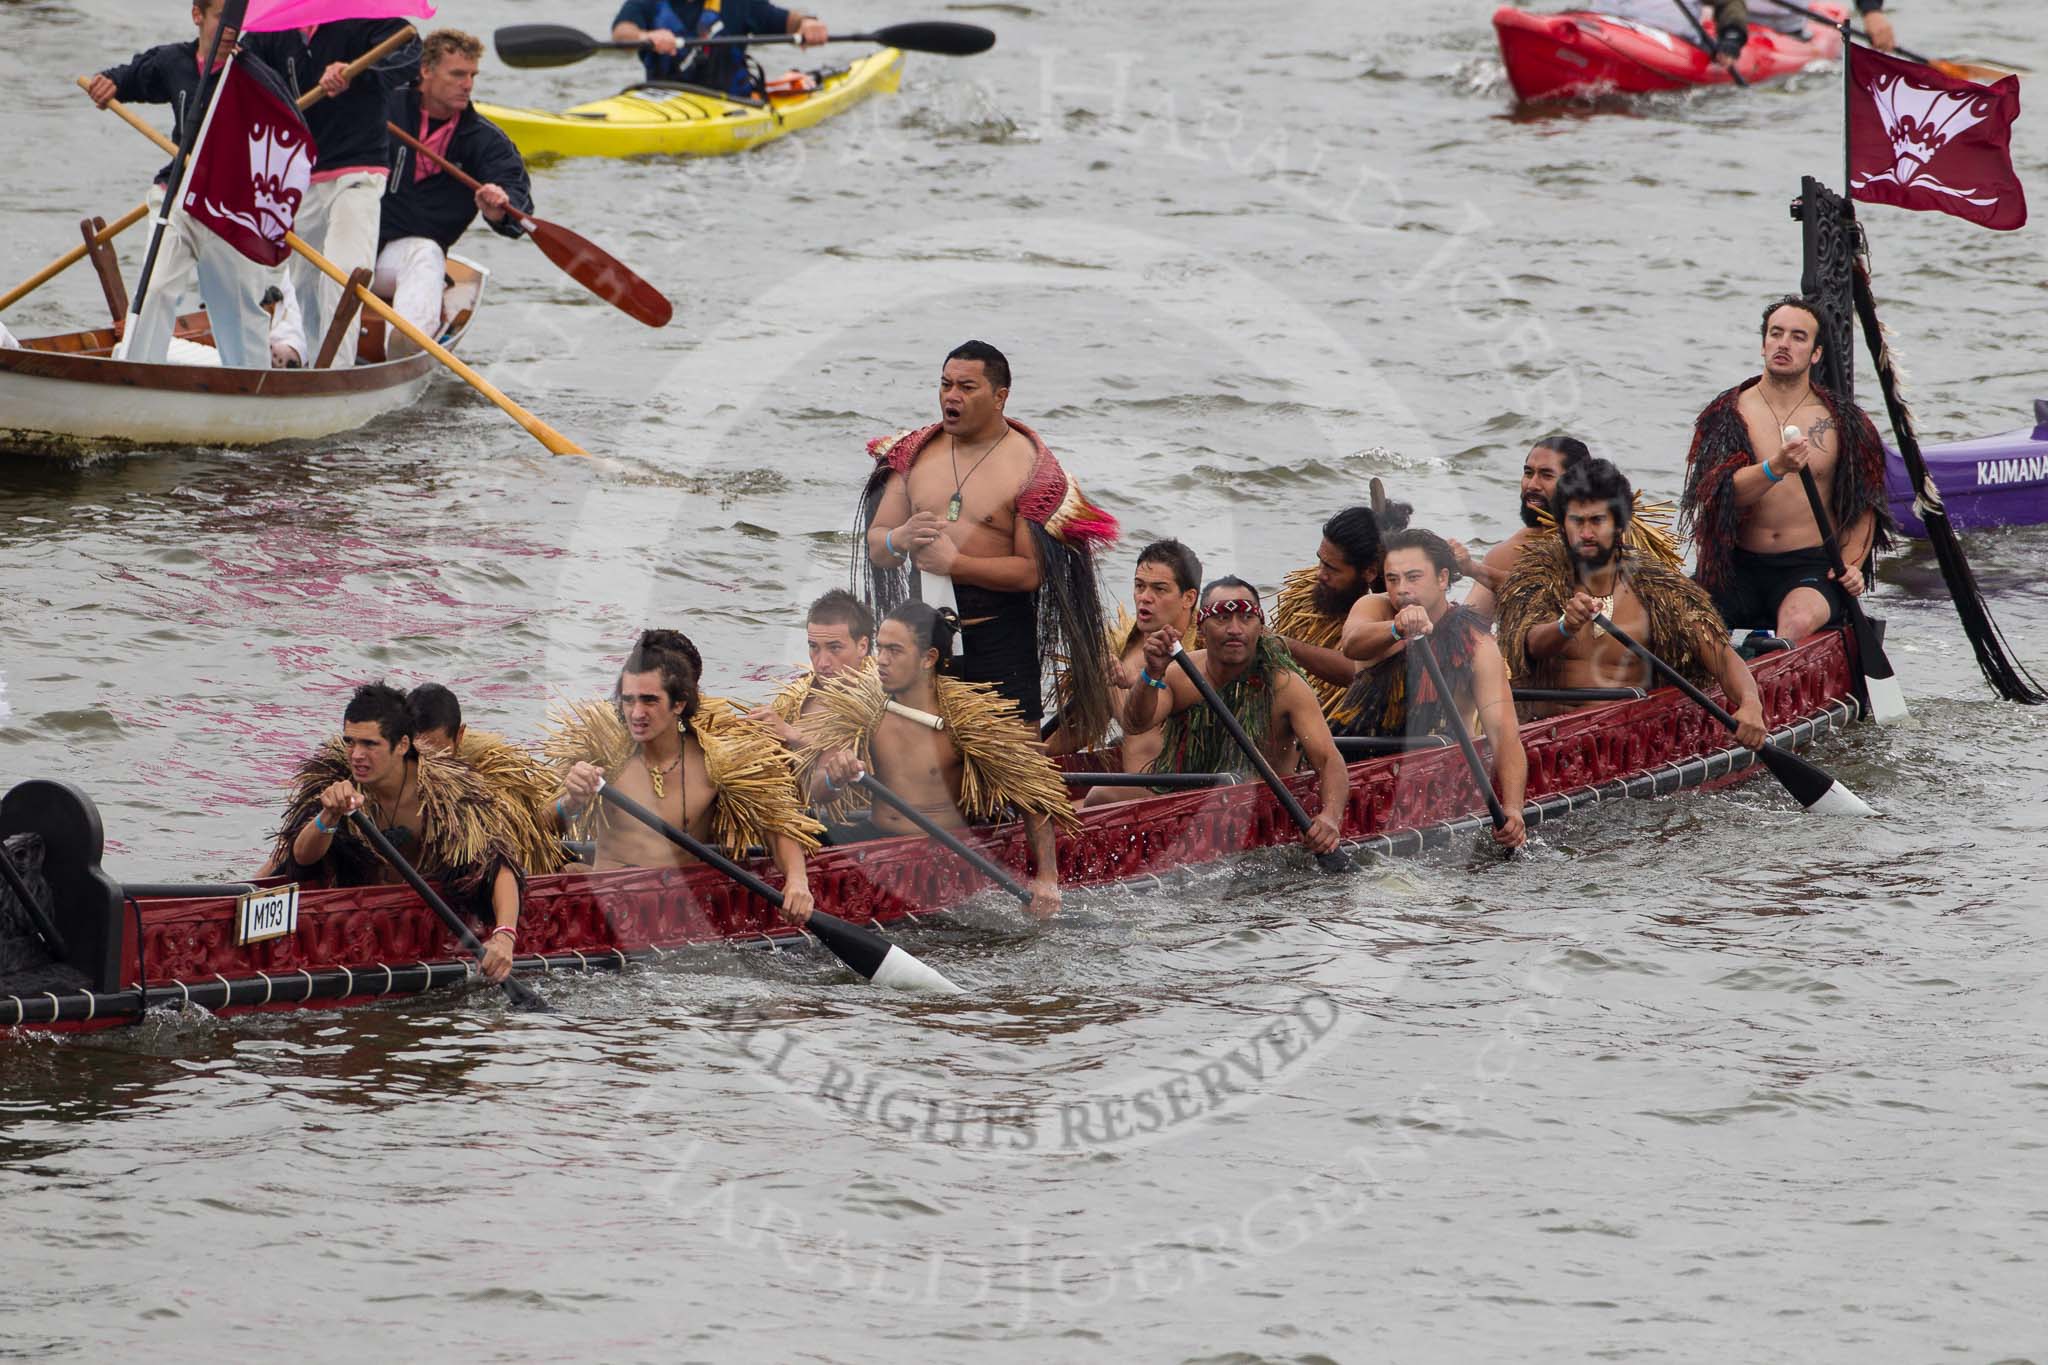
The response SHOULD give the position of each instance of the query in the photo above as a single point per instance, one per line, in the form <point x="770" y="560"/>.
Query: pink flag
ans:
<point x="1922" y="140"/>
<point x="274" y="16"/>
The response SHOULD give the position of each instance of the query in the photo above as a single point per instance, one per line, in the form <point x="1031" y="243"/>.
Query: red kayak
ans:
<point x="1578" y="54"/>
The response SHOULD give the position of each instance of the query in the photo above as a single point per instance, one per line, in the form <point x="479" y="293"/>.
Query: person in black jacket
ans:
<point x="227" y="282"/>
<point x="425" y="208"/>
<point x="340" y="213"/>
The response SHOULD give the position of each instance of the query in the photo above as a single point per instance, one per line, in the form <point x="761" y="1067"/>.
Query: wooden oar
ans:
<point x="538" y="45"/>
<point x="1808" y="783"/>
<point x="583" y="260"/>
<point x="1333" y="861"/>
<point x="870" y="955"/>
<point x="1160" y="780"/>
<point x="141" y="211"/>
<point x="1707" y="43"/>
<point x="1887" y="699"/>
<point x="1474" y="764"/>
<point x="541" y="431"/>
<point x="973" y="857"/>
<point x="522" y="995"/>
<point x="1978" y="72"/>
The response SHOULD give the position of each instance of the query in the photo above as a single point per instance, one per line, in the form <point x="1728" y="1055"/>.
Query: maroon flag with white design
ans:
<point x="252" y="165"/>
<point x="1922" y="140"/>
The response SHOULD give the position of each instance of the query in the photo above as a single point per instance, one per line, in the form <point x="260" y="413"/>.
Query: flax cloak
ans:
<point x="757" y="795"/>
<point x="470" y="829"/>
<point x="1001" y="765"/>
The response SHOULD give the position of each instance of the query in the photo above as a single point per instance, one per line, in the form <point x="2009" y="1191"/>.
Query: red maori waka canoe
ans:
<point x="130" y="949"/>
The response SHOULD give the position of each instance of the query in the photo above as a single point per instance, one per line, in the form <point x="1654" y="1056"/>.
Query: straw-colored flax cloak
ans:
<point x="1001" y="765"/>
<point x="757" y="795"/>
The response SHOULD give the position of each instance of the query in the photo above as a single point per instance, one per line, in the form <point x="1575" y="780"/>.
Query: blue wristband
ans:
<point x="1395" y="626"/>
<point x="830" y="785"/>
<point x="1771" y="474"/>
<point x="322" y="828"/>
<point x="889" y="541"/>
<point x="1149" y="680"/>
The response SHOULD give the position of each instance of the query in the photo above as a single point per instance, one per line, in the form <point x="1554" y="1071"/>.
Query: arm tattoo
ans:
<point x="1820" y="430"/>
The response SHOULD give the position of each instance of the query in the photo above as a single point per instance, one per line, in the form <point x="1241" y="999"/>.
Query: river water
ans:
<point x="1703" y="1079"/>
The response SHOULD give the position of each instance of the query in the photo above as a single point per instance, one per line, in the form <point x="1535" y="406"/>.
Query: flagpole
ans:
<point x="228" y="31"/>
<point x="1848" y="106"/>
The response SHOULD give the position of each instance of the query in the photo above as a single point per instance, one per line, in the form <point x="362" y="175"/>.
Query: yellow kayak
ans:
<point x="652" y="121"/>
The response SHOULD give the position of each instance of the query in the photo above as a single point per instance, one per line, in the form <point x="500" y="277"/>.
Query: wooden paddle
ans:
<point x="580" y="258"/>
<point x="539" y="45"/>
<point x="1473" y="763"/>
<point x="141" y="211"/>
<point x="1880" y="684"/>
<point x="1333" y="861"/>
<point x="523" y="996"/>
<point x="541" y="431"/>
<point x="870" y="955"/>
<point x="1979" y="72"/>
<point x="973" y="857"/>
<point x="1809" y="784"/>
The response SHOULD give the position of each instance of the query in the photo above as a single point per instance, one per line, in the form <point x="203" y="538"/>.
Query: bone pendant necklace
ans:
<point x="959" y="484"/>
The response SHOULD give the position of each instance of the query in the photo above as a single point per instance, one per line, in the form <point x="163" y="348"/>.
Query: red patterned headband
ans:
<point x="1231" y="606"/>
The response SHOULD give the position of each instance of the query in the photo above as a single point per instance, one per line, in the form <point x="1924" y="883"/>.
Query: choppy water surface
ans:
<point x="1702" y="1080"/>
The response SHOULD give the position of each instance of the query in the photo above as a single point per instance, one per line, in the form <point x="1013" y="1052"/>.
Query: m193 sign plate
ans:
<point x="263" y="915"/>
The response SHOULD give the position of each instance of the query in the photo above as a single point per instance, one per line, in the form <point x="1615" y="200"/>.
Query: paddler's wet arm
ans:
<point x="1312" y="732"/>
<point x="505" y="900"/>
<point x="1750" y="483"/>
<point x="1368" y="632"/>
<point x="1045" y="850"/>
<point x="1495" y="702"/>
<point x="1146" y="707"/>
<point x="1323" y="662"/>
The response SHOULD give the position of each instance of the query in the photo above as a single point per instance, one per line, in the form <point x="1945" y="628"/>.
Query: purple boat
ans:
<point x="1989" y="481"/>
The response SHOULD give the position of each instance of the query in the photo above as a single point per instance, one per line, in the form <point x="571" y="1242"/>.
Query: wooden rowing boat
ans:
<point x="66" y="396"/>
<point x="127" y="949"/>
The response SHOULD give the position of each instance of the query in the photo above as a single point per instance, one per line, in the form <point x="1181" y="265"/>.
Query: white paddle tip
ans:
<point x="1839" y="800"/>
<point x="1887" y="700"/>
<point x="903" y="972"/>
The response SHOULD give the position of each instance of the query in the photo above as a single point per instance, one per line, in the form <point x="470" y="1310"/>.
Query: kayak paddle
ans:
<point x="539" y="45"/>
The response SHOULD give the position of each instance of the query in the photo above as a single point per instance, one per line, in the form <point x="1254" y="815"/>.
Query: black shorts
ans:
<point x="859" y="832"/>
<point x="1761" y="583"/>
<point x="1004" y="651"/>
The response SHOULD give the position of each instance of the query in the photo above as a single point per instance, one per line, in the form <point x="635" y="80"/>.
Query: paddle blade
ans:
<point x="1973" y="71"/>
<point x="875" y="958"/>
<point x="1334" y="862"/>
<point x="542" y="45"/>
<point x="939" y="36"/>
<point x="602" y="274"/>
<point x="1810" y="785"/>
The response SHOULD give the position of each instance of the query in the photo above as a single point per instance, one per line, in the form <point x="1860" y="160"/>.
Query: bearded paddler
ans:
<point x="1588" y="568"/>
<point x="974" y="514"/>
<point x="1394" y="694"/>
<point x="1258" y="680"/>
<point x="1759" y="550"/>
<point x="839" y="635"/>
<point x="1547" y="462"/>
<point x="956" y="751"/>
<point x="436" y="810"/>
<point x="714" y="775"/>
<point x="1312" y="604"/>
